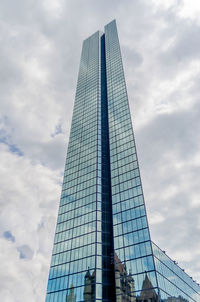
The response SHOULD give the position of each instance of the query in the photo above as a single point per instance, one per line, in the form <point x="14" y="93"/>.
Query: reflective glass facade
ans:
<point x="102" y="248"/>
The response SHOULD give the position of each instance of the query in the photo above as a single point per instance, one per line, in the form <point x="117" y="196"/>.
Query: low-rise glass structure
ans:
<point x="102" y="247"/>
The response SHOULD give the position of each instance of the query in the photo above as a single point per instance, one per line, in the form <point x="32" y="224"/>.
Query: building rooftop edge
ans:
<point x="100" y="31"/>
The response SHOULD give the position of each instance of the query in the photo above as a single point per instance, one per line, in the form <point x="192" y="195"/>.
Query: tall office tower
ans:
<point x="102" y="247"/>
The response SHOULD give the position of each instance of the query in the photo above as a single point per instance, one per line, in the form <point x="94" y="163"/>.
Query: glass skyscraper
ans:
<point x="102" y="247"/>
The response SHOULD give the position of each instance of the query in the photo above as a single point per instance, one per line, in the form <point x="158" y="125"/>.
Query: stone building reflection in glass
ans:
<point x="125" y="287"/>
<point x="102" y="222"/>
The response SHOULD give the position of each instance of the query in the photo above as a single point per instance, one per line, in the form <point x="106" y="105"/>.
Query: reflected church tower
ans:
<point x="125" y="287"/>
<point x="89" y="287"/>
<point x="71" y="297"/>
<point x="148" y="293"/>
<point x="124" y="283"/>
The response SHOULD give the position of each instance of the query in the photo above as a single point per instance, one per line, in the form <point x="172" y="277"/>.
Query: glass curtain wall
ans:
<point x="133" y="251"/>
<point x="75" y="272"/>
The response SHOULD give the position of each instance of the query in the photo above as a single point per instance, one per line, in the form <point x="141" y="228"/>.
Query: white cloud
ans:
<point x="190" y="9"/>
<point x="29" y="203"/>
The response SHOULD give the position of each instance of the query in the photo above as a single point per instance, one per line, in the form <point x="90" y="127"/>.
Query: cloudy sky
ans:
<point x="40" y="52"/>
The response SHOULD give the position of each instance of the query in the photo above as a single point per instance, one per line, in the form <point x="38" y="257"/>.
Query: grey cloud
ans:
<point x="176" y="132"/>
<point x="21" y="214"/>
<point x="133" y="57"/>
<point x="167" y="148"/>
<point x="185" y="45"/>
<point x="180" y="44"/>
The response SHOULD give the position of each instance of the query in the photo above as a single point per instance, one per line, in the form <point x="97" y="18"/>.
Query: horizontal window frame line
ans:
<point x="129" y="220"/>
<point x="131" y="187"/>
<point x="115" y="128"/>
<point x="77" y="217"/>
<point x="90" y="139"/>
<point x="69" y="175"/>
<point x="78" y="226"/>
<point x="86" y="130"/>
<point x="68" y="288"/>
<point x="126" y="198"/>
<point x="132" y="232"/>
<point x="72" y="262"/>
<point x="133" y="208"/>
<point x="55" y="243"/>
<point x="77" y="208"/>
<point x="123" y="158"/>
<point x="72" y="249"/>
<point x="125" y="173"/>
<point x="143" y="273"/>
<point x="133" y="161"/>
<point x="77" y="199"/>
<point x="77" y="150"/>
<point x="80" y="170"/>
<point x="70" y="158"/>
<point x="130" y="149"/>
<point x="93" y="186"/>
<point x="132" y="259"/>
<point x="137" y="291"/>
<point x="78" y="183"/>
<point x="134" y="245"/>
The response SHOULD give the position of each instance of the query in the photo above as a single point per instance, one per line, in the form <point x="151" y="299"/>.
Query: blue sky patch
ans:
<point x="9" y="236"/>
<point x="12" y="147"/>
<point x="58" y="130"/>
